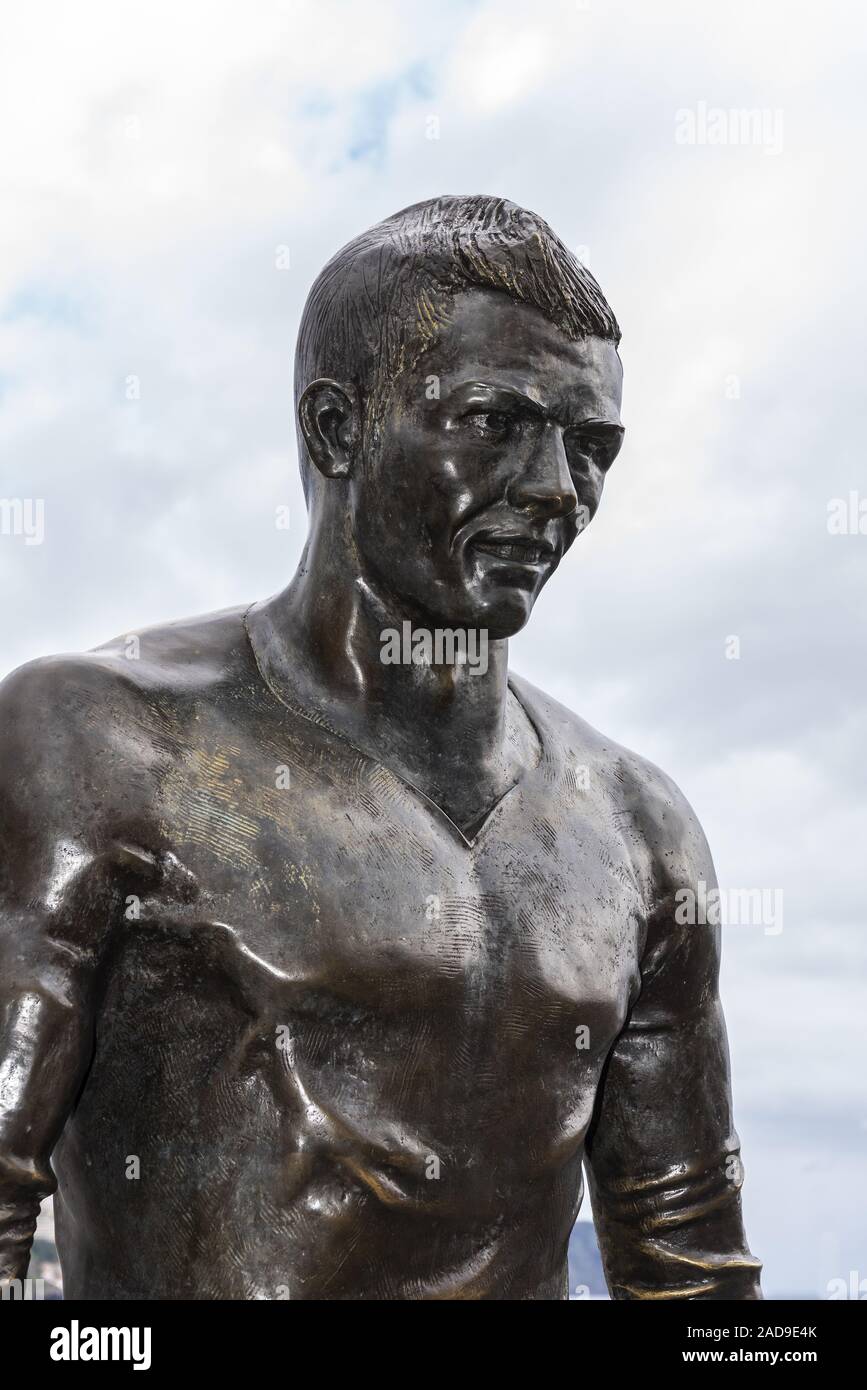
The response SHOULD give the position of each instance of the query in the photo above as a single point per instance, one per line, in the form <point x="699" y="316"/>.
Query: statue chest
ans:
<point x="328" y="887"/>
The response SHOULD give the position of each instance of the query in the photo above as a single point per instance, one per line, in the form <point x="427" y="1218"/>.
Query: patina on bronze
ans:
<point x="322" y="975"/>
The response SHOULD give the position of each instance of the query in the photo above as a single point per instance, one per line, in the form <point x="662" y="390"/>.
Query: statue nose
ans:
<point x="544" y="486"/>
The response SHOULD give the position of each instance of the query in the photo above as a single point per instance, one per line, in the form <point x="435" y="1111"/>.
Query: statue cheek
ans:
<point x="588" y="489"/>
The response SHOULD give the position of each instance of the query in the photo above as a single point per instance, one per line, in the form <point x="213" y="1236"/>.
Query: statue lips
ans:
<point x="516" y="550"/>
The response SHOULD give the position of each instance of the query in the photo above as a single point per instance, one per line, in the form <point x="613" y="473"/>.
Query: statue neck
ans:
<point x="332" y="643"/>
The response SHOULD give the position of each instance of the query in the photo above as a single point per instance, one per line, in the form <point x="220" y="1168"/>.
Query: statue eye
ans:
<point x="490" y="424"/>
<point x="601" y="449"/>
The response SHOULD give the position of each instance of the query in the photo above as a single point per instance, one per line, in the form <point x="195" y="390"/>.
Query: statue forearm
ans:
<point x="676" y="1234"/>
<point x="24" y="1185"/>
<point x="664" y="1165"/>
<point x="42" y="1057"/>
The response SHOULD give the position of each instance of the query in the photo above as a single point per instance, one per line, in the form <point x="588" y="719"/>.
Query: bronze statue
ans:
<point x="331" y="949"/>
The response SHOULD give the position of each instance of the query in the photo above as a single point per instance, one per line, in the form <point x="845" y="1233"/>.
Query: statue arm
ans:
<point x="663" y="1156"/>
<point x="55" y="909"/>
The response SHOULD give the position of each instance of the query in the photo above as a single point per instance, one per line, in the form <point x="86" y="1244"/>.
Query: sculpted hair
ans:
<point x="378" y="304"/>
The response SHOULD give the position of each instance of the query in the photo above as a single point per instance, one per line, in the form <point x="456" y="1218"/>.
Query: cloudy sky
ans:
<point x="173" y="177"/>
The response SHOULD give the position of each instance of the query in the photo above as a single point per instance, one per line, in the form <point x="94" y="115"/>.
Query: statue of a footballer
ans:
<point x="361" y="959"/>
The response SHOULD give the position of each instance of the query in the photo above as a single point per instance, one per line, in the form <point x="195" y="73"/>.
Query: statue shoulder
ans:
<point x="53" y="698"/>
<point x="665" y="827"/>
<point x="60" y="723"/>
<point x="627" y="791"/>
<point x="73" y="726"/>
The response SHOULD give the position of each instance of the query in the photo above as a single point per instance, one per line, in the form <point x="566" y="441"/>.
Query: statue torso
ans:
<point x="355" y="1055"/>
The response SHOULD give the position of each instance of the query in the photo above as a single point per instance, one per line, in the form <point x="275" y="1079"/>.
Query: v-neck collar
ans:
<point x="477" y="826"/>
<point x="473" y="833"/>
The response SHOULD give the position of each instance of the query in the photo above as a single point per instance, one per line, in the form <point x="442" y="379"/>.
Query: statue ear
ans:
<point x="330" y="418"/>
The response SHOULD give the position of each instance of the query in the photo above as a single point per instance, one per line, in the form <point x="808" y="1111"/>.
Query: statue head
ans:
<point x="457" y="390"/>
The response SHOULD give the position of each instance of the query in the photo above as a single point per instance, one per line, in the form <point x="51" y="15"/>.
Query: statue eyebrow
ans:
<point x="482" y="392"/>
<point x="486" y="389"/>
<point x="593" y="425"/>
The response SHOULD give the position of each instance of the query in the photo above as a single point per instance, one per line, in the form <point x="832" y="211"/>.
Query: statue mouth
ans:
<point x="518" y="549"/>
